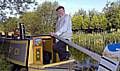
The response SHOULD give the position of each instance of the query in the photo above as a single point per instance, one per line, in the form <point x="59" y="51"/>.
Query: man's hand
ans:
<point x="52" y="33"/>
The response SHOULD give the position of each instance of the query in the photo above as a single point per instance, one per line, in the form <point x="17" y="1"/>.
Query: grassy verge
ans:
<point x="93" y="42"/>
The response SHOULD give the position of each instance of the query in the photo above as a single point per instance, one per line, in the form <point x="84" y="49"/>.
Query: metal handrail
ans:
<point x="94" y="55"/>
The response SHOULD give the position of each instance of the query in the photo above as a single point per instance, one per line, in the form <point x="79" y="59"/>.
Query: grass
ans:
<point x="93" y="42"/>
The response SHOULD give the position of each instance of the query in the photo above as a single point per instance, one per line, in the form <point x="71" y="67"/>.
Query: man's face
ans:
<point x="60" y="12"/>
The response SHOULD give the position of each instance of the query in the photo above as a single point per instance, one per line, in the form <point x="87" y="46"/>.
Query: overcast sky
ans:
<point x="72" y="6"/>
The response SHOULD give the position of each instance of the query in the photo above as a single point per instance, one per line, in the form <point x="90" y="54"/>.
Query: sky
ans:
<point x="72" y="6"/>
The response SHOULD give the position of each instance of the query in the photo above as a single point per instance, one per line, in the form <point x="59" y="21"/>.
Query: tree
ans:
<point x="78" y="19"/>
<point x="80" y="12"/>
<point x="10" y="24"/>
<point x="95" y="21"/>
<point x="103" y="21"/>
<point x="31" y="21"/>
<point x="86" y="22"/>
<point x="48" y="16"/>
<point x="112" y="14"/>
<point x="14" y="7"/>
<point x="77" y="22"/>
<point x="42" y="20"/>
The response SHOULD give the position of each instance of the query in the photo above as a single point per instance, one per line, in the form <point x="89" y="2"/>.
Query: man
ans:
<point x="64" y="30"/>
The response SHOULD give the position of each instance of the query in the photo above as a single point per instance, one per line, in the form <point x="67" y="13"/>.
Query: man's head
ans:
<point x="60" y="10"/>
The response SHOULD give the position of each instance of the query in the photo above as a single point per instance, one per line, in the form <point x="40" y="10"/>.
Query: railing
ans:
<point x="86" y="51"/>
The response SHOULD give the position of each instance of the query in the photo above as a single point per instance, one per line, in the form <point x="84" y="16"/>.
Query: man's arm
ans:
<point x="65" y="26"/>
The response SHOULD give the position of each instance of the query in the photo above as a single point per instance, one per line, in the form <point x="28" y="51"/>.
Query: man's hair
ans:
<point x="60" y="7"/>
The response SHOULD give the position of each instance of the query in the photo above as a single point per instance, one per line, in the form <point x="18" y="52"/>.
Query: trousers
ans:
<point x="60" y="48"/>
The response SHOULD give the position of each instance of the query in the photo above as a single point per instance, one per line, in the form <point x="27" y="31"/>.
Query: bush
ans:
<point x="4" y="65"/>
